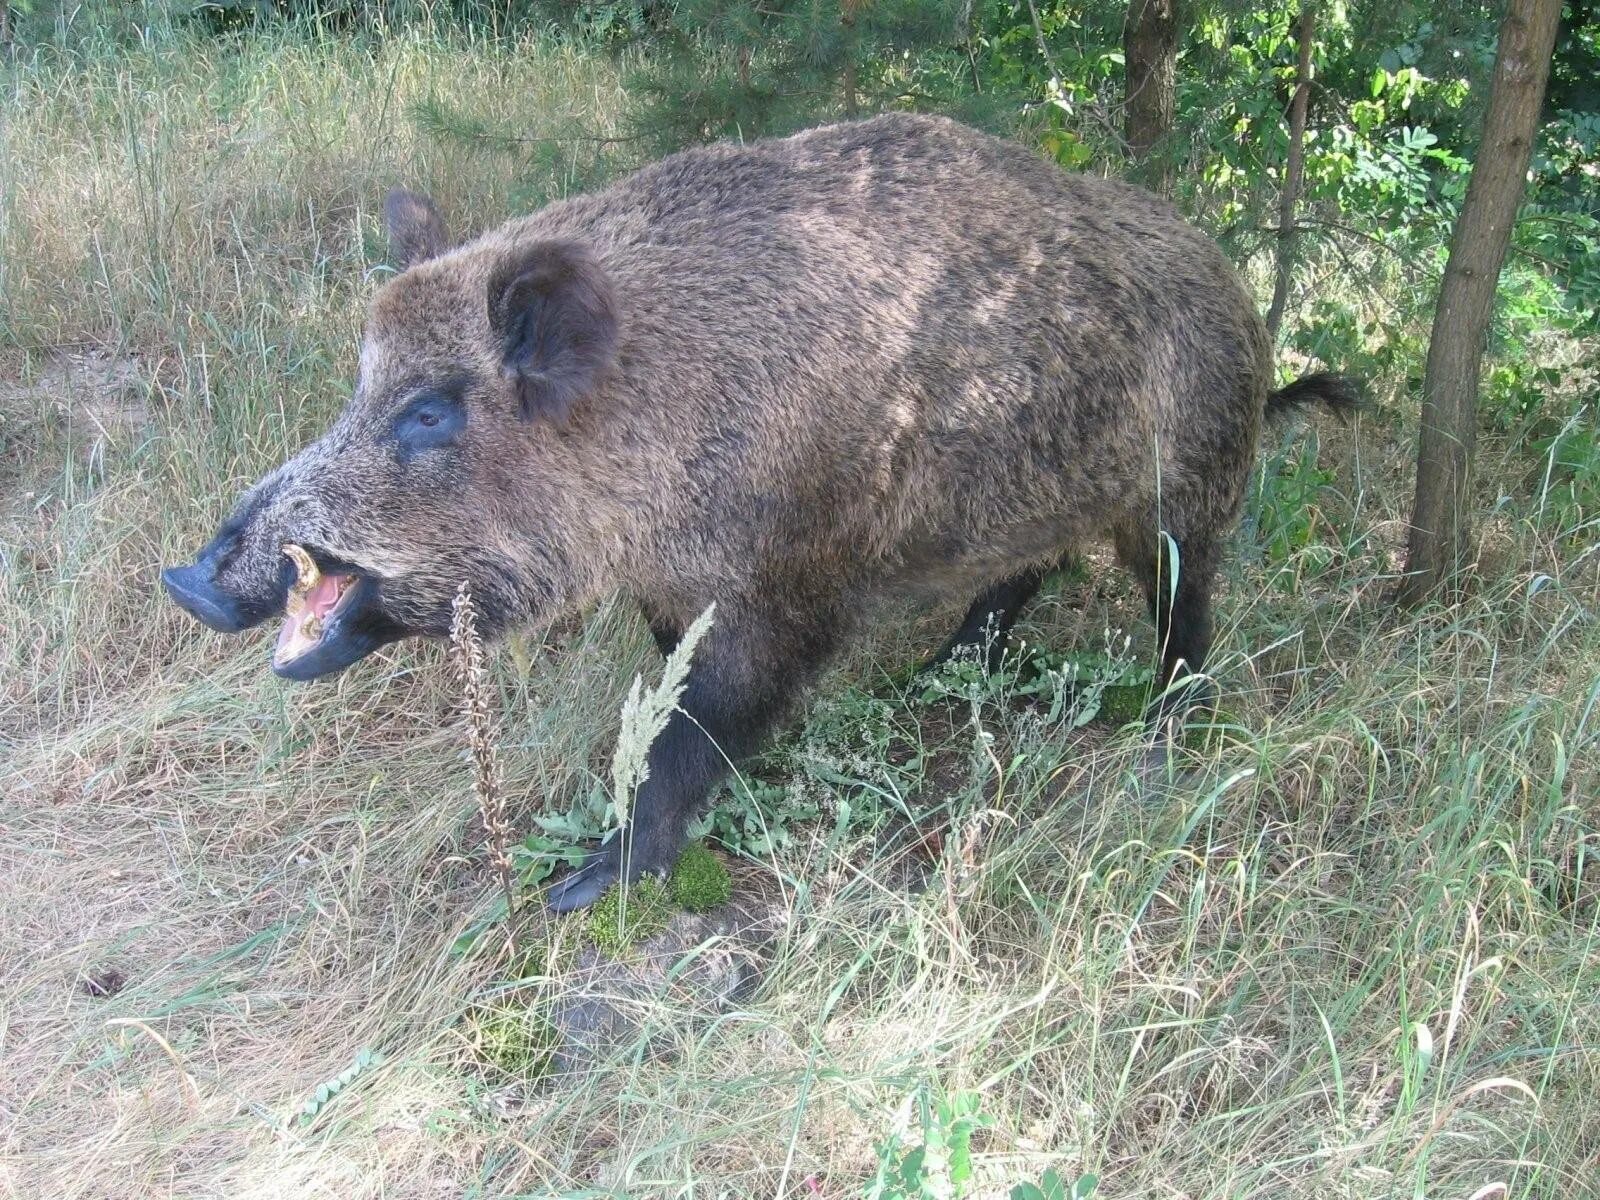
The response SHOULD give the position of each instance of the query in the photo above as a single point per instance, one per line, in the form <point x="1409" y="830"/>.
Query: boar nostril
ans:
<point x="194" y="589"/>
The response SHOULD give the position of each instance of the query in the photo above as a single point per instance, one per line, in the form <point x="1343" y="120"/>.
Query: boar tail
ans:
<point x="1339" y="392"/>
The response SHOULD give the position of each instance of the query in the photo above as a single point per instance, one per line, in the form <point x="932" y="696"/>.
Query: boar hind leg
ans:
<point x="1177" y="588"/>
<point x="666" y="635"/>
<point x="988" y="622"/>
<point x="742" y="679"/>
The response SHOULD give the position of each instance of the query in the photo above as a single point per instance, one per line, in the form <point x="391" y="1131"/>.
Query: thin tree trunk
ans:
<point x="1294" y="171"/>
<point x="1440" y="525"/>
<point x="1150" y="57"/>
<point x="968" y="20"/>
<point x="847" y="18"/>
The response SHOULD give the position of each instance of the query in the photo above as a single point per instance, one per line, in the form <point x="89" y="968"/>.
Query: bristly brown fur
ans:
<point x="892" y="357"/>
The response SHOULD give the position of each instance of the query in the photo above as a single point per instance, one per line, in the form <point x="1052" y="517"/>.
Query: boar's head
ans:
<point x="431" y="476"/>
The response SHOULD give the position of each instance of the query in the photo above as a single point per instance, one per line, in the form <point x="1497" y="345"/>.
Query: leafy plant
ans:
<point x="939" y="1167"/>
<point x="1287" y="509"/>
<point x="754" y="817"/>
<point x="534" y="859"/>
<point x="1052" y="1187"/>
<point x="849" y="765"/>
<point x="1080" y="686"/>
<point x="1075" y="687"/>
<point x="328" y="1089"/>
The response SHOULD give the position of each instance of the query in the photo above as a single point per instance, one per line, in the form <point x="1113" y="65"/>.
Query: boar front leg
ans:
<point x="744" y="678"/>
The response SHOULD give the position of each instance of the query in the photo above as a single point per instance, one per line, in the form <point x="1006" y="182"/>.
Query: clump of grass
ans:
<point x="700" y="882"/>
<point x="627" y="915"/>
<point x="516" y="1041"/>
<point x="466" y="648"/>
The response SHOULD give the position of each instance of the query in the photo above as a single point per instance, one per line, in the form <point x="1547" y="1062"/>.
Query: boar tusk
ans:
<point x="307" y="575"/>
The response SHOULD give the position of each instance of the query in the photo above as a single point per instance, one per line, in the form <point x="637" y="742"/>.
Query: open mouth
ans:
<point x="315" y="597"/>
<point x="328" y="621"/>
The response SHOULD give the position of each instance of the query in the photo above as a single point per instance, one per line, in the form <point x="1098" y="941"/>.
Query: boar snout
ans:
<point x="199" y="591"/>
<point x="332" y="619"/>
<point x="195" y="590"/>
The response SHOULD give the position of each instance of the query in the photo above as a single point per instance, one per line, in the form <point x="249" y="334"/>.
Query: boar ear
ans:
<point x="551" y="308"/>
<point x="416" y="230"/>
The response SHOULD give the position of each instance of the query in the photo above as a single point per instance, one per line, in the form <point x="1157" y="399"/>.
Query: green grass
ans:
<point x="1349" y="944"/>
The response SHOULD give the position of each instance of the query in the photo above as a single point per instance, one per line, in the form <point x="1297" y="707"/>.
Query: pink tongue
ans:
<point x="320" y="601"/>
<point x="321" y="598"/>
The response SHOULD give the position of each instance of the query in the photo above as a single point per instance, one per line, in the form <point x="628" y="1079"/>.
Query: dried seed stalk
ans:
<point x="466" y="648"/>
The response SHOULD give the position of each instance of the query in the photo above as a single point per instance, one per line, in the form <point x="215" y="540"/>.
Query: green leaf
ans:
<point x="960" y="1161"/>
<point x="911" y="1167"/>
<point x="468" y="942"/>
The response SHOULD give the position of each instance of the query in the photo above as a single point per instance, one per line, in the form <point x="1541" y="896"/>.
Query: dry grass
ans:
<point x="1352" y="949"/>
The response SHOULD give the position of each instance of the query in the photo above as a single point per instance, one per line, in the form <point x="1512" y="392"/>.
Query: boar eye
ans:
<point x="427" y="423"/>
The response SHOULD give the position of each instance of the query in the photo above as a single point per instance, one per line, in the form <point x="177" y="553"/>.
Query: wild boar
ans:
<point x="895" y="358"/>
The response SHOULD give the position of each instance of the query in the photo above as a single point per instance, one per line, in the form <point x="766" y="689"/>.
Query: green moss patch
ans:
<point x="625" y="916"/>
<point x="700" y="882"/>
<point x="1121" y="704"/>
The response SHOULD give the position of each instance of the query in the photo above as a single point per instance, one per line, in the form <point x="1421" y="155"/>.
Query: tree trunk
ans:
<point x="847" y="19"/>
<point x="969" y="23"/>
<point x="1439" y="518"/>
<point x="1150" y="57"/>
<point x="1293" y="172"/>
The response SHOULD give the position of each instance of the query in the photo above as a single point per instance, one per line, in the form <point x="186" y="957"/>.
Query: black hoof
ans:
<point x="584" y="884"/>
